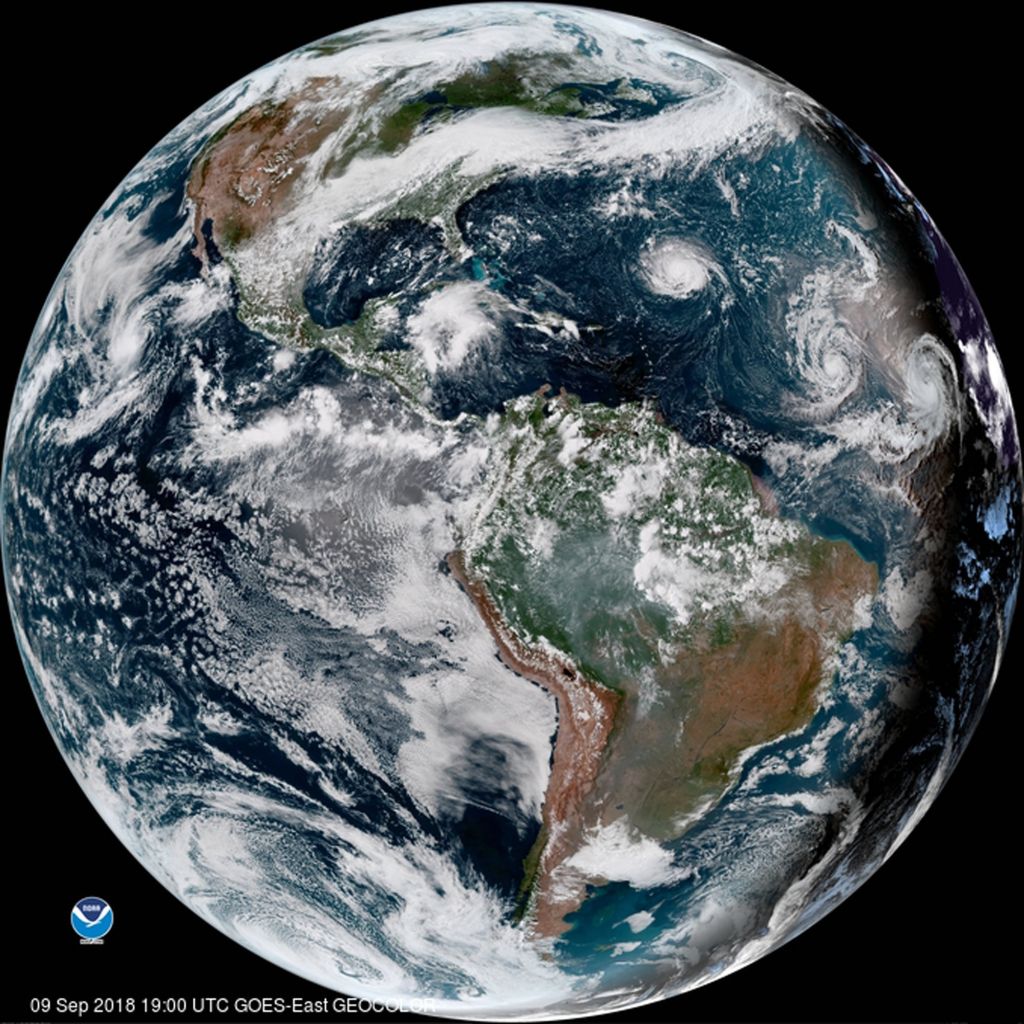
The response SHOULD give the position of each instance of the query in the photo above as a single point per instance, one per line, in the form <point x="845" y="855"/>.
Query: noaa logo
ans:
<point x="92" y="918"/>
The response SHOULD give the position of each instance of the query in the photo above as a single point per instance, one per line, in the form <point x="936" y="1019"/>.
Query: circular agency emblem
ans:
<point x="92" y="918"/>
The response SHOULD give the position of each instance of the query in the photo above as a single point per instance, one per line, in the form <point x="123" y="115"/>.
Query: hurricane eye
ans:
<point x="675" y="268"/>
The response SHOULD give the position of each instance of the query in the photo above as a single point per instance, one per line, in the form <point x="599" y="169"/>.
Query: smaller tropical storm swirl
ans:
<point x="511" y="505"/>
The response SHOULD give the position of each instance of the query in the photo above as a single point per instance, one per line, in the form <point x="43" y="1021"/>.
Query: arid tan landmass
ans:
<point x="245" y="174"/>
<point x="726" y="693"/>
<point x="586" y="713"/>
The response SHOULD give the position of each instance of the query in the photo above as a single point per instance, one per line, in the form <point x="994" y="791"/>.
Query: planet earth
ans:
<point x="513" y="506"/>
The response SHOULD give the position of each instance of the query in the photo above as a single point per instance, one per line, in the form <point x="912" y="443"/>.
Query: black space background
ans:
<point x="86" y="97"/>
